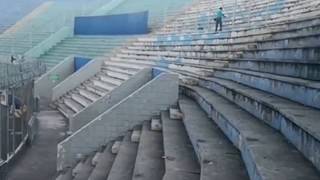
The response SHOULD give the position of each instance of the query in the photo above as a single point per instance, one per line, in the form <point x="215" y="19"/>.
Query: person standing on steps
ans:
<point x="219" y="18"/>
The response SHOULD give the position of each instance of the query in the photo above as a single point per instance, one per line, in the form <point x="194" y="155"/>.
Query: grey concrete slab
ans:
<point x="85" y="169"/>
<point x="42" y="155"/>
<point x="298" y="123"/>
<point x="219" y="159"/>
<point x="66" y="175"/>
<point x="104" y="164"/>
<point x="180" y="175"/>
<point x="179" y="153"/>
<point x="149" y="162"/>
<point x="266" y="152"/>
<point x="123" y="166"/>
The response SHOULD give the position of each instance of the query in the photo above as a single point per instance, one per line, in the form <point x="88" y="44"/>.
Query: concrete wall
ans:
<point x="51" y="41"/>
<point x="44" y="85"/>
<point x="89" y="113"/>
<point x="88" y="71"/>
<point x="147" y="101"/>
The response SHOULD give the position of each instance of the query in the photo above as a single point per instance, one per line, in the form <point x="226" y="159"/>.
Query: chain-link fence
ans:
<point x="17" y="105"/>
<point x="18" y="72"/>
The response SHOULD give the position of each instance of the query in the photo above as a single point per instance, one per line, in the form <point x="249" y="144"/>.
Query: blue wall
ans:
<point x="79" y="62"/>
<point x="121" y="24"/>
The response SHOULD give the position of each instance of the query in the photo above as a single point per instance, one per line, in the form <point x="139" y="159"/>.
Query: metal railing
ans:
<point x="19" y="72"/>
<point x="17" y="105"/>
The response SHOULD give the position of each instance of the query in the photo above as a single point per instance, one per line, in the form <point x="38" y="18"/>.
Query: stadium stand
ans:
<point x="257" y="80"/>
<point x="57" y="15"/>
<point x="247" y="106"/>
<point x="157" y="17"/>
<point x="95" y="46"/>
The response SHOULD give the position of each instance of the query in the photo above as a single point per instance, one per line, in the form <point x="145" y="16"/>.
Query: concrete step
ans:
<point x="88" y="94"/>
<point x="75" y="106"/>
<point x="119" y="69"/>
<point x="80" y="48"/>
<point x="153" y="60"/>
<point x="114" y="74"/>
<point x="296" y="89"/>
<point x="123" y="166"/>
<point x="64" y="54"/>
<point x="189" y="54"/>
<point x="266" y="152"/>
<point x="304" y="70"/>
<point x="81" y="99"/>
<point x="65" y="110"/>
<point x="296" y="122"/>
<point x="65" y="175"/>
<point x="218" y="158"/>
<point x="180" y="157"/>
<point x="149" y="162"/>
<point x="124" y="65"/>
<point x="110" y="80"/>
<point x="106" y="86"/>
<point x="103" y="164"/>
<point x="180" y="175"/>
<point x="95" y="89"/>
<point x="83" y="169"/>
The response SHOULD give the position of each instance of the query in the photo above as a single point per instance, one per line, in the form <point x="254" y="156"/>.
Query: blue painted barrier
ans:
<point x="79" y="62"/>
<point x="121" y="24"/>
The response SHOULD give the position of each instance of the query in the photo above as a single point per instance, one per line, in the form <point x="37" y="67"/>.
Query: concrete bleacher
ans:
<point x="249" y="96"/>
<point x="48" y="19"/>
<point x="82" y="46"/>
<point x="86" y="44"/>
<point x="159" y="13"/>
<point x="164" y="151"/>
<point x="257" y="81"/>
<point x="110" y="76"/>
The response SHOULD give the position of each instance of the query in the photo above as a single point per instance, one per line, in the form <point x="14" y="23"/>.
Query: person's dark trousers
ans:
<point x="219" y="23"/>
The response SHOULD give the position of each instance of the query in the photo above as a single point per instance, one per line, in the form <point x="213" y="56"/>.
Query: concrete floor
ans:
<point x="38" y="162"/>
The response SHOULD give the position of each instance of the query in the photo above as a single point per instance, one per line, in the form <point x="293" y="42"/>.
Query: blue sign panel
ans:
<point x="121" y="24"/>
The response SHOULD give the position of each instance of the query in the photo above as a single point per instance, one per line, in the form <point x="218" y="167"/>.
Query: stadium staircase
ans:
<point x="161" y="148"/>
<point x="110" y="76"/>
<point x="257" y="81"/>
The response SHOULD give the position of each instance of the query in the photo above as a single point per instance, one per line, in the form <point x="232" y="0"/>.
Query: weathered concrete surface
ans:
<point x="179" y="153"/>
<point x="42" y="155"/>
<point x="122" y="168"/>
<point x="298" y="123"/>
<point x="149" y="161"/>
<point x="266" y="153"/>
<point x="218" y="158"/>
<point x="299" y="90"/>
<point x="104" y="164"/>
